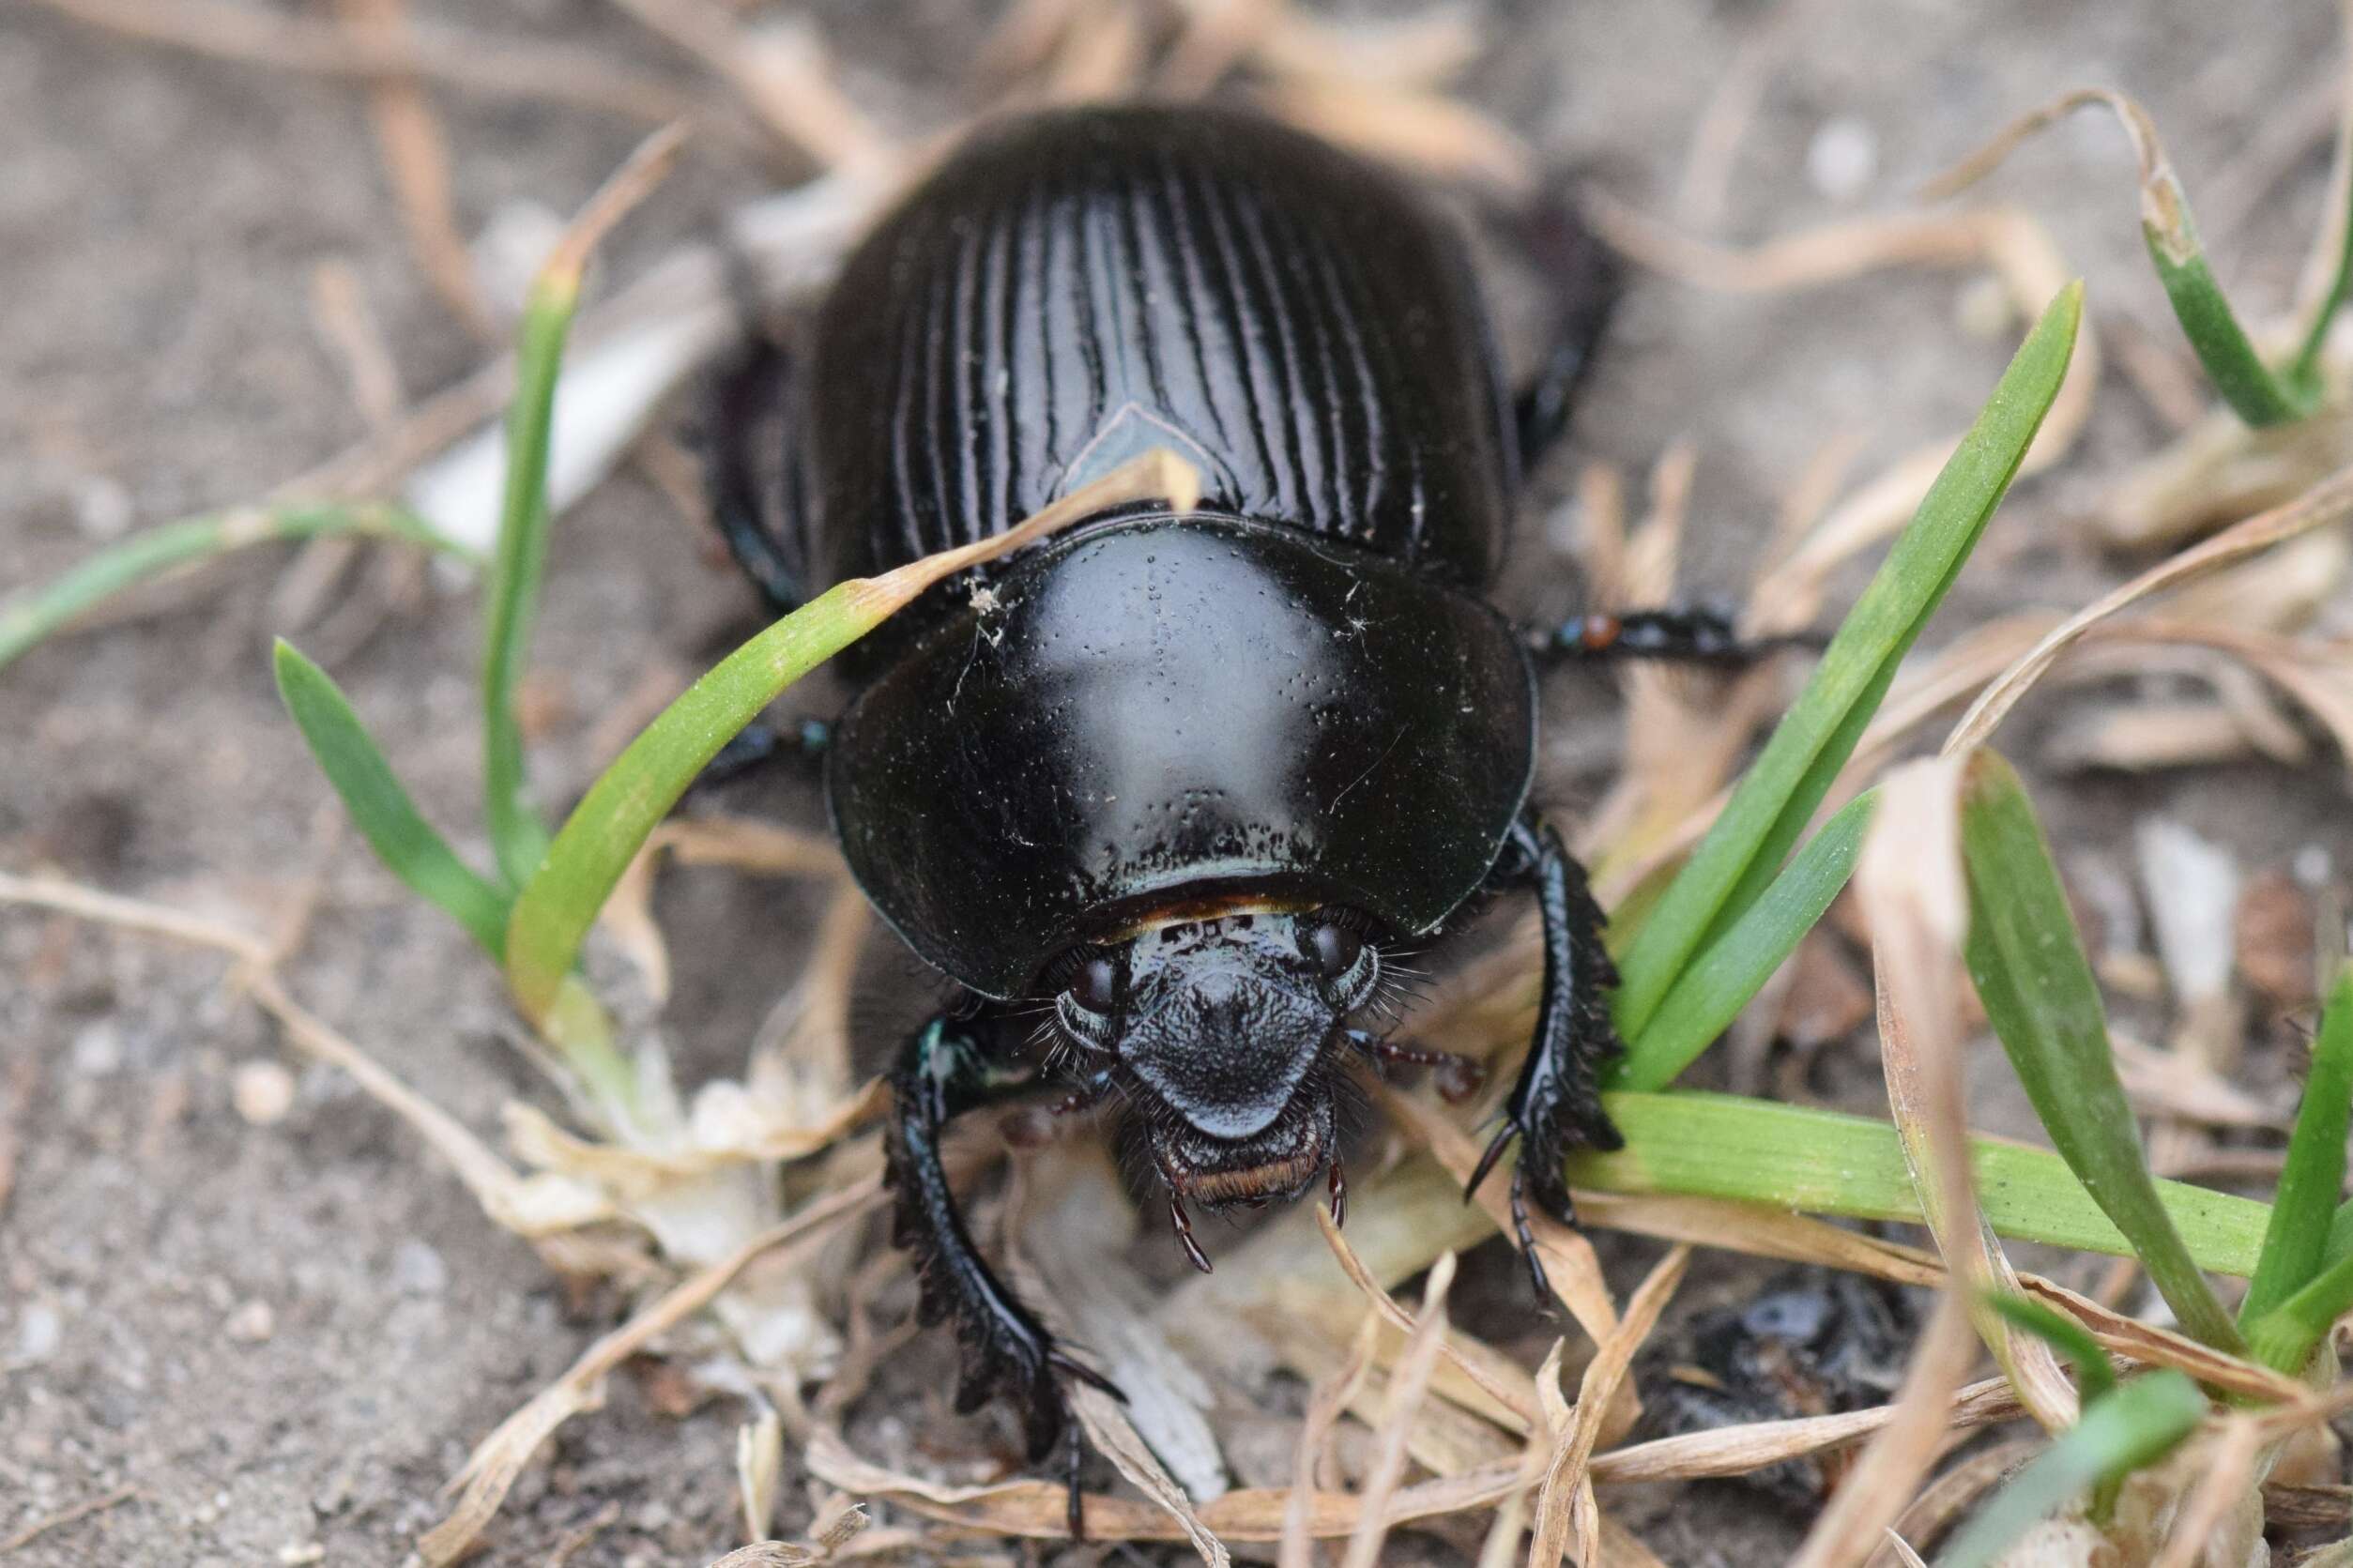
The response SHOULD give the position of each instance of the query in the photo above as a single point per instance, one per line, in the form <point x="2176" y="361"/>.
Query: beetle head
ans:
<point x="1228" y="1033"/>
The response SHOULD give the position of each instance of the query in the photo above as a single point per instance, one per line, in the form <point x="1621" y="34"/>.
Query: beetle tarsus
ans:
<point x="1524" y="1234"/>
<point x="1488" y="1157"/>
<point x="944" y="1071"/>
<point x="1684" y="636"/>
<point x="1339" y="1185"/>
<point x="1459" y="1077"/>
<point x="1074" y="1496"/>
<point x="1184" y="1225"/>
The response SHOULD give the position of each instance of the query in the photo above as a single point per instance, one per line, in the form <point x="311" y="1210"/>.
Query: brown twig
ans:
<point x="417" y="158"/>
<point x="39" y="1528"/>
<point x="2330" y="501"/>
<point x="504" y="66"/>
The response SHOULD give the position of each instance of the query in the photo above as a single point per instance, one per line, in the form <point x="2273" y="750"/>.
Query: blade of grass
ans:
<point x="2136" y="1426"/>
<point x="2303" y="371"/>
<point x="1743" y="849"/>
<point x="560" y="900"/>
<point x="2028" y="965"/>
<point x="386" y="816"/>
<point x="511" y="596"/>
<point x="1914" y="900"/>
<point x="25" y="620"/>
<point x="2239" y="374"/>
<point x="2093" y="1373"/>
<point x="1737" y="965"/>
<point x="2284" y="1338"/>
<point x="1828" y="1162"/>
<point x="2296" y="1242"/>
<point x="512" y="602"/>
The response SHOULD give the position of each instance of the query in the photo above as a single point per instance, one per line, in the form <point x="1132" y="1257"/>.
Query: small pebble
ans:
<point x="299" y="1553"/>
<point x="263" y="1093"/>
<point x="38" y="1333"/>
<point x="101" y="507"/>
<point x="418" y="1269"/>
<point x="97" y="1050"/>
<point x="1842" y="159"/>
<point x="252" y="1323"/>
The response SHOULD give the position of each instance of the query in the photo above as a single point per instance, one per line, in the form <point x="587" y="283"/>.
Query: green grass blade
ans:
<point x="1779" y="795"/>
<point x="2237" y="371"/>
<point x="512" y="603"/>
<point x="2094" y="1375"/>
<point x="1852" y="1167"/>
<point x="2285" y="1338"/>
<point x="2303" y="371"/>
<point x="25" y="620"/>
<point x="560" y="901"/>
<point x="2136" y="1426"/>
<point x="1734" y="967"/>
<point x="2028" y="965"/>
<point x="2254" y="393"/>
<point x="2301" y="1211"/>
<point x="386" y="816"/>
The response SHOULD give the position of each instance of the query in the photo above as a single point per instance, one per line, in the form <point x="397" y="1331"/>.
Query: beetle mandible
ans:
<point x="1180" y="781"/>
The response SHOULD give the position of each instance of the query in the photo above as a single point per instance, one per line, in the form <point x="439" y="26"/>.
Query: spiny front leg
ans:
<point x="1556" y="1104"/>
<point x="945" y="1070"/>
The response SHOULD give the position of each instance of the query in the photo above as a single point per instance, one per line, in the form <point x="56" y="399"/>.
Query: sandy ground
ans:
<point x="281" y="1339"/>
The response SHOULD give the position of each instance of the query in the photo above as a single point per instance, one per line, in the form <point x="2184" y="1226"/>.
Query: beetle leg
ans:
<point x="1556" y="1104"/>
<point x="1459" y="1077"/>
<point x="760" y="743"/>
<point x="944" y="1071"/>
<point x="1582" y="278"/>
<point x="1183" y="1223"/>
<point x="1687" y="636"/>
<point x="750" y="471"/>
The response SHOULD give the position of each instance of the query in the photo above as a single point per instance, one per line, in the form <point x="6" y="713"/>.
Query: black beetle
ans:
<point x="1177" y="781"/>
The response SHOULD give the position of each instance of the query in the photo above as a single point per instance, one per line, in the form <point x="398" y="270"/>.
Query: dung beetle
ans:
<point x="1172" y="785"/>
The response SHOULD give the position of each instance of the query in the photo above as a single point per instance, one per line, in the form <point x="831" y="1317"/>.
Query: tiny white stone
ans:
<point x="1842" y="159"/>
<point x="38" y="1333"/>
<point x="101" y="506"/>
<point x="97" y="1050"/>
<point x="252" y="1323"/>
<point x="418" y="1269"/>
<point x="262" y="1092"/>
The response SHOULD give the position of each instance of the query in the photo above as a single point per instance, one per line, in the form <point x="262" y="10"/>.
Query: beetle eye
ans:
<point x="1095" y="986"/>
<point x="1333" y="949"/>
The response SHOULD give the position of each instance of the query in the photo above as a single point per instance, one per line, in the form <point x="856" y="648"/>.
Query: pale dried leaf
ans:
<point x="759" y="1468"/>
<point x="1404" y="1401"/>
<point x="1909" y="882"/>
<point x="1566" y="1487"/>
<point x="2326" y="503"/>
<point x="1496" y="1377"/>
<point x="2213" y="1527"/>
<point x="1332" y="1395"/>
<point x="1442" y="138"/>
<point x="499" y="1458"/>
